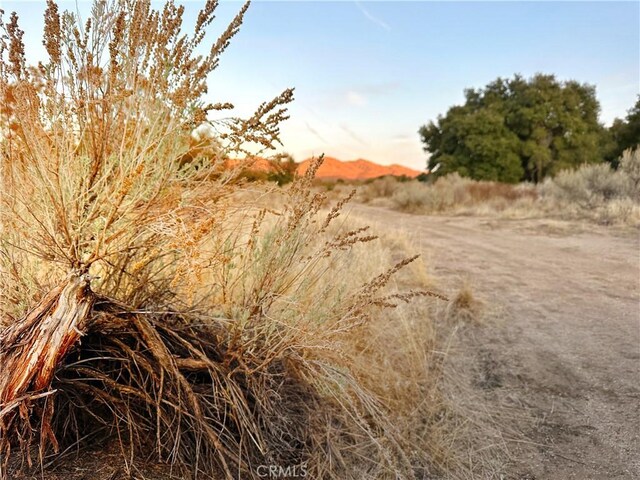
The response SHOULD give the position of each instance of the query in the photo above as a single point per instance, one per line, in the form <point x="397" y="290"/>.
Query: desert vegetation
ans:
<point x="597" y="191"/>
<point x="451" y="193"/>
<point x="592" y="192"/>
<point x="527" y="148"/>
<point x="167" y="310"/>
<point x="153" y="307"/>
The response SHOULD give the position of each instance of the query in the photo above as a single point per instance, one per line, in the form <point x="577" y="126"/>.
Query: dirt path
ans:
<point x="572" y="330"/>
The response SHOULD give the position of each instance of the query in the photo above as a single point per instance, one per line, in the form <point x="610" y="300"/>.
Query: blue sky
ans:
<point x="369" y="74"/>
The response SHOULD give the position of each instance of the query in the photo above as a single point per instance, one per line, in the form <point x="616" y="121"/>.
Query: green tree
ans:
<point x="517" y="129"/>
<point x="624" y="134"/>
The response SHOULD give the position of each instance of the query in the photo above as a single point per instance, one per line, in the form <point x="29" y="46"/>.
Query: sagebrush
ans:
<point x="149" y="303"/>
<point x="597" y="192"/>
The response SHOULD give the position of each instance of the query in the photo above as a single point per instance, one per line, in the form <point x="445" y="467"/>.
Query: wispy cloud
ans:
<point x="352" y="134"/>
<point x="380" y="88"/>
<point x="401" y="138"/>
<point x="356" y="99"/>
<point x="372" y="18"/>
<point x="359" y="96"/>
<point x="315" y="132"/>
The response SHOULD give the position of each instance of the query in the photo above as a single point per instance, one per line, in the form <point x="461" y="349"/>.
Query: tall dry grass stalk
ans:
<point x="148" y="302"/>
<point x="92" y="177"/>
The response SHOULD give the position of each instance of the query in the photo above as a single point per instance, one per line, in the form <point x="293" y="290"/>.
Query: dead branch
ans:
<point x="30" y="353"/>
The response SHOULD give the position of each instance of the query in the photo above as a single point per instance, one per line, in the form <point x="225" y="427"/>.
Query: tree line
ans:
<point x="521" y="129"/>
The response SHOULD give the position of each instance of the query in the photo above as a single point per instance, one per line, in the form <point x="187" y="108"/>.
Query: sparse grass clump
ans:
<point x="150" y="303"/>
<point x="464" y="306"/>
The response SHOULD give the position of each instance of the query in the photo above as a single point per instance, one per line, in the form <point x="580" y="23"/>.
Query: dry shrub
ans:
<point x="488" y="191"/>
<point x="275" y="360"/>
<point x="379" y="188"/>
<point x="153" y="304"/>
<point x="629" y="166"/>
<point x="451" y="194"/>
<point x="589" y="186"/>
<point x="92" y="148"/>
<point x="597" y="192"/>
<point x="464" y="306"/>
<point x="415" y="197"/>
<point x="592" y="192"/>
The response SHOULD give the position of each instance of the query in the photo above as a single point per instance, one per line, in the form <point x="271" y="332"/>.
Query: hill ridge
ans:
<point x="358" y="169"/>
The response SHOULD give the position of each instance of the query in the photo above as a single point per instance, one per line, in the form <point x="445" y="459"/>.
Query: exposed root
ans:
<point x="79" y="366"/>
<point x="30" y="354"/>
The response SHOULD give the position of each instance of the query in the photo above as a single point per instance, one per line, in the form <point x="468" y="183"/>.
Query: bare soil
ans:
<point x="568" y="348"/>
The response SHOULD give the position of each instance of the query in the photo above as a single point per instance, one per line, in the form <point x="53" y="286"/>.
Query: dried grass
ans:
<point x="153" y="303"/>
<point x="304" y="374"/>
<point x="464" y="306"/>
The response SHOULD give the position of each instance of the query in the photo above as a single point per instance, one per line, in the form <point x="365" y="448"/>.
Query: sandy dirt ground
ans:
<point x="568" y="350"/>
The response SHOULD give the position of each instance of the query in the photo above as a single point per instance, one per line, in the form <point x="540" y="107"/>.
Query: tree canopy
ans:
<point x="517" y="129"/>
<point x="624" y="134"/>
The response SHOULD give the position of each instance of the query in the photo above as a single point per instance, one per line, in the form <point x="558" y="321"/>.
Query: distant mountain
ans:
<point x="334" y="169"/>
<point x="359" y="169"/>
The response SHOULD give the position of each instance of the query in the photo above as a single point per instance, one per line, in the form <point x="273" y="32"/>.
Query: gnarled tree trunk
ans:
<point x="30" y="352"/>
